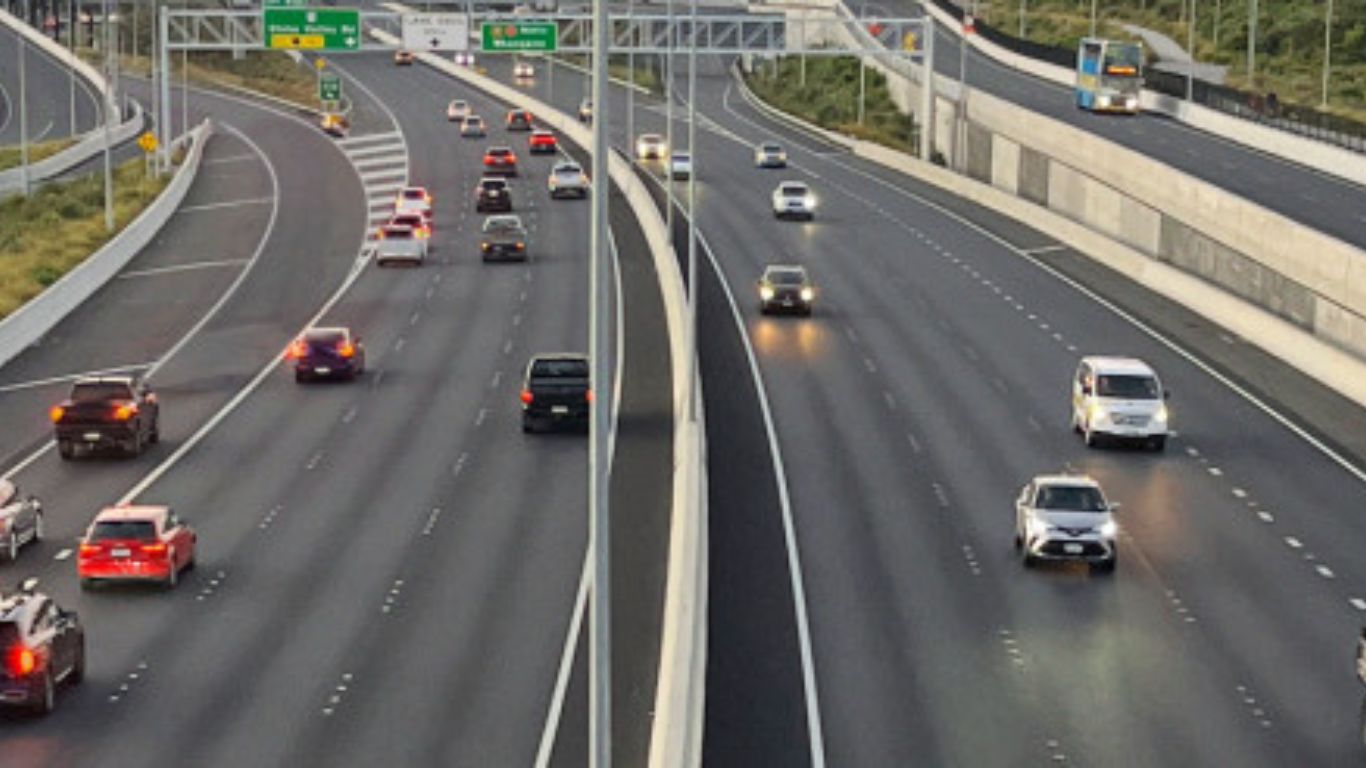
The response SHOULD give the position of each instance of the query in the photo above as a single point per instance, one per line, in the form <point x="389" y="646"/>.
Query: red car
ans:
<point x="421" y="225"/>
<point x="501" y="160"/>
<point x="135" y="543"/>
<point x="543" y="143"/>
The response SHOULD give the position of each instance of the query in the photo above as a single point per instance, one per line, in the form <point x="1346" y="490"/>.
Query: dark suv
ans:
<point x="492" y="196"/>
<point x="42" y="646"/>
<point x="120" y="412"/>
<point x="327" y="353"/>
<point x="556" y="392"/>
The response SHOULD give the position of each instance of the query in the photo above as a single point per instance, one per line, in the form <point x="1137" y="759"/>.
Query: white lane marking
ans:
<point x="369" y="177"/>
<point x="1358" y="472"/>
<point x="1324" y="571"/>
<point x="62" y="554"/>
<point x="915" y="444"/>
<point x="870" y="365"/>
<point x="227" y="159"/>
<point x="398" y="344"/>
<point x="1044" y="249"/>
<point x="431" y="521"/>
<point x="1034" y="424"/>
<point x="1358" y="603"/>
<point x="1240" y="493"/>
<point x="35" y="383"/>
<point x="225" y="204"/>
<point x="891" y="401"/>
<point x="1266" y="517"/>
<point x="154" y="271"/>
<point x="393" y="148"/>
<point x="350" y="415"/>
<point x="479" y="419"/>
<point x="46" y="129"/>
<point x="1293" y="542"/>
<point x="507" y="347"/>
<point x="369" y="138"/>
<point x="377" y="160"/>
<point x="413" y="320"/>
<point x="1215" y="471"/>
<point x="313" y="461"/>
<point x="497" y="377"/>
<point x="557" y="695"/>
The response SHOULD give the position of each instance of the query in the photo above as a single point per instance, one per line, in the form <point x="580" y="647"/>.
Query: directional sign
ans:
<point x="436" y="31"/>
<point x="329" y="88"/>
<point x="329" y="29"/>
<point x="148" y="142"/>
<point x="537" y="36"/>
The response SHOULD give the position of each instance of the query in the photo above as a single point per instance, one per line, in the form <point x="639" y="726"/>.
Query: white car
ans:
<point x="523" y="70"/>
<point x="770" y="154"/>
<point x="794" y="199"/>
<point x="463" y="58"/>
<point x="568" y="180"/>
<point x="651" y="146"/>
<point x="458" y="110"/>
<point x="680" y="165"/>
<point x="414" y="200"/>
<point x="472" y="127"/>
<point x="1066" y="517"/>
<point x="586" y="111"/>
<point x="21" y="519"/>
<point x="1119" y="398"/>
<point x="397" y="243"/>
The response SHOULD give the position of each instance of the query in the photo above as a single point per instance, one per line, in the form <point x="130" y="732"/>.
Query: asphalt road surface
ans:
<point x="49" y="95"/>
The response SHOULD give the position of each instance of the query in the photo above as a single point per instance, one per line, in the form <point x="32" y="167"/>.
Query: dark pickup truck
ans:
<point x="118" y="412"/>
<point x="556" y="392"/>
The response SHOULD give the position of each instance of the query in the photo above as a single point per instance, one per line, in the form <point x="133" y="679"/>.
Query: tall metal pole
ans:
<point x="1252" y="44"/>
<point x="71" y="63"/>
<point x="803" y="50"/>
<point x="631" y="89"/>
<point x="599" y="516"/>
<point x="668" y="115"/>
<point x="692" y="216"/>
<point x="927" y="89"/>
<point x="108" y="114"/>
<point x="166" y="74"/>
<point x="1327" y="50"/>
<point x="1190" y="48"/>
<point x="23" y="111"/>
<point x="1093" y="18"/>
<point x="862" y="66"/>
<point x="1022" y="19"/>
<point x="185" y="90"/>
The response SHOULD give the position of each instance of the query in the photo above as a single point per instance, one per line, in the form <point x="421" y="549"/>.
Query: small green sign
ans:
<point x="311" y="29"/>
<point x="511" y="36"/>
<point x="329" y="88"/>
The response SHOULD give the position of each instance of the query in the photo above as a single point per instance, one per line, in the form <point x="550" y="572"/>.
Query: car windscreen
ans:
<point x="502" y="224"/>
<point x="1072" y="498"/>
<point x="111" y="530"/>
<point x="398" y="233"/>
<point x="413" y="194"/>
<point x="568" y="170"/>
<point x="499" y="152"/>
<point x="793" y="190"/>
<point x="493" y="185"/>
<point x="786" y="277"/>
<point x="323" y="338"/>
<point x="560" y="369"/>
<point x="1128" y="387"/>
<point x="96" y="392"/>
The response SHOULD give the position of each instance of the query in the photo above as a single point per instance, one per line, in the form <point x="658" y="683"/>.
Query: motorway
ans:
<point x="928" y="388"/>
<point x="49" y="95"/>
<point x="1326" y="203"/>
<point x="388" y="569"/>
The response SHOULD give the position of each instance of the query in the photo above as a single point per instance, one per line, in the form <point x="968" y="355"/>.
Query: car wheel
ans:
<point x="12" y="546"/>
<point x="135" y="444"/>
<point x="88" y="584"/>
<point x="1104" y="566"/>
<point x="38" y="527"/>
<point x="47" y="696"/>
<point x="77" y="674"/>
<point x="66" y="449"/>
<point x="300" y="377"/>
<point x="172" y="573"/>
<point x="154" y="436"/>
<point x="1026" y="557"/>
<point x="1090" y="438"/>
<point x="1159" y="443"/>
<point x="528" y="426"/>
<point x="1019" y="542"/>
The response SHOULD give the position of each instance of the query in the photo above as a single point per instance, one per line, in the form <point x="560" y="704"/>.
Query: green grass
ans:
<point x="1289" y="41"/>
<point x="10" y="155"/>
<point x="830" y="98"/>
<point x="269" y="72"/>
<point x="45" y="235"/>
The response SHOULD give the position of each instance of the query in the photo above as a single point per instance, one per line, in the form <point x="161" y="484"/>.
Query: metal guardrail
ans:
<point x="1256" y="107"/>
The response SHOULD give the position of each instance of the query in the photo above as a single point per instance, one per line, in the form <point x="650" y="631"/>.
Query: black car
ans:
<point x="786" y="288"/>
<point x="327" y="353"/>
<point x="492" y="196"/>
<point x="556" y="392"/>
<point x="106" y="412"/>
<point x="43" y="647"/>
<point x="518" y="120"/>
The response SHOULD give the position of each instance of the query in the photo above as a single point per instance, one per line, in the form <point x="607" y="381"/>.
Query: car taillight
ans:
<point x="512" y="158"/>
<point x="588" y="395"/>
<point x="346" y="349"/>
<point x="526" y="396"/>
<point x="20" y="661"/>
<point x="488" y="160"/>
<point x="56" y="413"/>
<point x="88" y="550"/>
<point x="125" y="412"/>
<point x="520" y="245"/>
<point x="158" y="548"/>
<point x="297" y="350"/>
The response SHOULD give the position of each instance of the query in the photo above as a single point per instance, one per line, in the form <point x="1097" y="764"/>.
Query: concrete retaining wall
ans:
<point x="27" y="325"/>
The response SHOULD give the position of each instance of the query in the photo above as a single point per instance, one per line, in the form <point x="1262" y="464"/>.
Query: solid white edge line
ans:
<point x="224" y="204"/>
<point x="1180" y="351"/>
<point x="813" y="716"/>
<point x="177" y="268"/>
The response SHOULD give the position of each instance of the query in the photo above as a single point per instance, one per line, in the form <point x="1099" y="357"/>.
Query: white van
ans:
<point x="1120" y="398"/>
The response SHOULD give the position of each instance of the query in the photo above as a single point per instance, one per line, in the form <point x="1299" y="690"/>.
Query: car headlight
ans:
<point x="808" y="294"/>
<point x="766" y="293"/>
<point x="1037" y="527"/>
<point x="1099" y="414"/>
<point x="1109" y="529"/>
<point x="809" y="201"/>
<point x="1160" y="417"/>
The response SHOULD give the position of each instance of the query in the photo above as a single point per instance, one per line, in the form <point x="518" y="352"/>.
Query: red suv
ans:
<point x="500" y="160"/>
<point x="543" y="142"/>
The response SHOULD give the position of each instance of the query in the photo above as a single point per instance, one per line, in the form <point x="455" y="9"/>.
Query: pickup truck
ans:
<point x="503" y="237"/>
<point x="556" y="391"/>
<point x="118" y="412"/>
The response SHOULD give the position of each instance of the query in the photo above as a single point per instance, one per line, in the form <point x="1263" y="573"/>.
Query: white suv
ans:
<point x="1065" y="517"/>
<point x="1119" y="398"/>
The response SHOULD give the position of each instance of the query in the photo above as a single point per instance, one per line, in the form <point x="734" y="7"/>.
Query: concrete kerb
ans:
<point x="1301" y="150"/>
<point x="1323" y="362"/>
<point x="676" y="739"/>
<point x="27" y="325"/>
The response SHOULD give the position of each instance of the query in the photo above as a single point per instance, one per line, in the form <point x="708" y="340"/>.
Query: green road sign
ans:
<point x="536" y="36"/>
<point x="312" y="29"/>
<point x="329" y="88"/>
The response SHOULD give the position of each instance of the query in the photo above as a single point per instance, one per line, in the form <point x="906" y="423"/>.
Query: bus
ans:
<point x="1109" y="75"/>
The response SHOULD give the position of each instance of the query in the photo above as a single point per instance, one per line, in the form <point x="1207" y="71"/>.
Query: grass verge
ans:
<point x="270" y="72"/>
<point x="45" y="235"/>
<point x="830" y="99"/>
<point x="10" y="156"/>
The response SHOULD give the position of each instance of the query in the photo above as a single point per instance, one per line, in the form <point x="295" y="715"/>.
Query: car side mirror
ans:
<point x="1166" y="394"/>
<point x="1115" y="506"/>
<point x="1086" y="389"/>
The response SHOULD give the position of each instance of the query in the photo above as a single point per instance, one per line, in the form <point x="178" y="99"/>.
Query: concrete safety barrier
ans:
<point x="27" y="325"/>
<point x="676" y="738"/>
<point x="1339" y="370"/>
<point x="89" y="143"/>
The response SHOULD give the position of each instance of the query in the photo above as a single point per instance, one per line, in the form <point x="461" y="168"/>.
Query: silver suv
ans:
<point x="1066" y="517"/>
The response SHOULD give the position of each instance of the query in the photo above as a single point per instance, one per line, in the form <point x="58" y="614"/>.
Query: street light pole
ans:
<point x="1252" y="44"/>
<point x="631" y="89"/>
<point x="70" y="62"/>
<point x="1327" y="50"/>
<point x="862" y="64"/>
<point x="108" y="114"/>
<point x="1093" y="18"/>
<point x="1190" y="48"/>
<point x="599" y="516"/>
<point x="23" y="111"/>
<point x="668" y="116"/>
<point x="692" y="217"/>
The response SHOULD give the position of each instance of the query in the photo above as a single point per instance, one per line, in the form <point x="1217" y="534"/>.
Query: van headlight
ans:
<point x="1098" y="414"/>
<point x="1160" y="417"/>
<point x="809" y="201"/>
<point x="766" y="293"/>
<point x="808" y="294"/>
<point x="1109" y="529"/>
